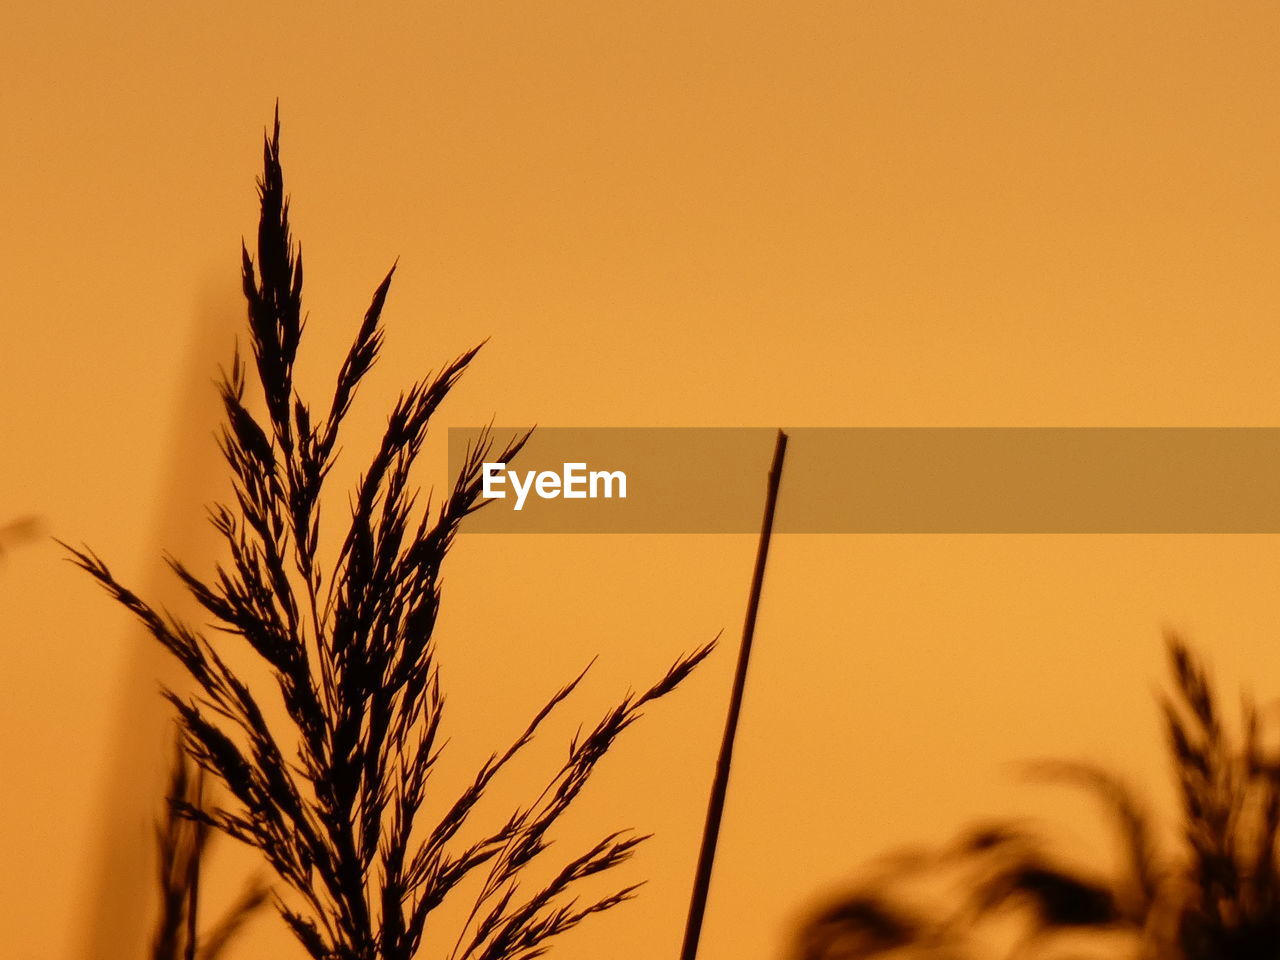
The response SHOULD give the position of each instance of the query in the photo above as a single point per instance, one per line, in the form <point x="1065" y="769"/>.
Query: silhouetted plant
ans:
<point x="334" y="805"/>
<point x="1219" y="900"/>
<point x="181" y="842"/>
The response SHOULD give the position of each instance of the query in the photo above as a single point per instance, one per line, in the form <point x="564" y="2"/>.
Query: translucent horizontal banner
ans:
<point x="882" y="480"/>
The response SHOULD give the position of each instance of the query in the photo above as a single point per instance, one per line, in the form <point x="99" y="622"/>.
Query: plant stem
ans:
<point x="720" y="785"/>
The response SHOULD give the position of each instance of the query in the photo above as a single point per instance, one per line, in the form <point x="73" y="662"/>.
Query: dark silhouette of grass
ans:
<point x="181" y="842"/>
<point x="334" y="804"/>
<point x="1216" y="899"/>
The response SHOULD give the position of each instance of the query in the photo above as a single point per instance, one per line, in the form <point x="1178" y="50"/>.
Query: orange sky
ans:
<point x="804" y="214"/>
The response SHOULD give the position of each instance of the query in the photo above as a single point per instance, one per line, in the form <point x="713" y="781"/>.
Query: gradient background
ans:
<point x="662" y="214"/>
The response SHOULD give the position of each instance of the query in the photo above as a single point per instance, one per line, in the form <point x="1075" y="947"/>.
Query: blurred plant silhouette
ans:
<point x="1217" y="899"/>
<point x="15" y="532"/>
<point x="332" y="797"/>
<point x="181" y="842"/>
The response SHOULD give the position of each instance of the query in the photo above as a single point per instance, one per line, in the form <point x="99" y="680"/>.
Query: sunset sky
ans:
<point x="659" y="214"/>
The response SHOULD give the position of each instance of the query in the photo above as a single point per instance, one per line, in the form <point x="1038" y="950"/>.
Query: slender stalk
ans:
<point x="720" y="785"/>
<point x="193" y="874"/>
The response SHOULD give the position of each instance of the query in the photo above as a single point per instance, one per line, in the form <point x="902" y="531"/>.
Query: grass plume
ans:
<point x="334" y="802"/>
<point x="1217" y="898"/>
